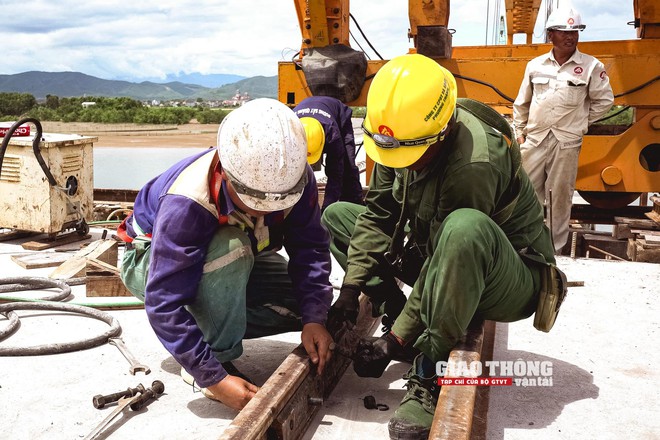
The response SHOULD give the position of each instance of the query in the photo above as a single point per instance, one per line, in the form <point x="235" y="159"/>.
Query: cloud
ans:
<point x="153" y="38"/>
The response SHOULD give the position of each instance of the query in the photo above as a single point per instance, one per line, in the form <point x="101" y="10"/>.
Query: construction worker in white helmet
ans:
<point x="450" y="213"/>
<point x="562" y="93"/>
<point x="329" y="130"/>
<point x="201" y="242"/>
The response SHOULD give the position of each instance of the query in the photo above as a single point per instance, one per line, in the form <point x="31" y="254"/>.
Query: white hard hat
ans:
<point x="263" y="151"/>
<point x="565" y="19"/>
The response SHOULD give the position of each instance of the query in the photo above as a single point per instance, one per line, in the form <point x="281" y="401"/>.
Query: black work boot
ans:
<point x="412" y="420"/>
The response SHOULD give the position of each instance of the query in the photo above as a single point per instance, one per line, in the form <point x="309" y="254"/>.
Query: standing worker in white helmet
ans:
<point x="477" y="246"/>
<point x="202" y="242"/>
<point x="562" y="93"/>
<point x="329" y="130"/>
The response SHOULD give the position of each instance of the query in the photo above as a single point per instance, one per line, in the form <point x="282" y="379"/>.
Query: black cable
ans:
<point x="358" y="44"/>
<point x="639" y="87"/>
<point x="35" y="146"/>
<point x="485" y="84"/>
<point x="294" y="61"/>
<point x="364" y="36"/>
<point x="612" y="115"/>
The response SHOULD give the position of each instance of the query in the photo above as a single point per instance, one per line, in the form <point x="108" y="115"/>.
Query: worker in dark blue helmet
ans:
<point x="329" y="130"/>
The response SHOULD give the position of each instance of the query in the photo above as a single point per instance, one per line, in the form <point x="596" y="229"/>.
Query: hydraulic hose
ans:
<point x="47" y="303"/>
<point x="35" y="146"/>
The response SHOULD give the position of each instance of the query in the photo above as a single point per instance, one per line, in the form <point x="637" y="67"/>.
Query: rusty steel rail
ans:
<point x="454" y="413"/>
<point x="289" y="400"/>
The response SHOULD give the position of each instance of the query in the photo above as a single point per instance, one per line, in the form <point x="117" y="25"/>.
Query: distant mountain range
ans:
<point x="211" y="81"/>
<point x="74" y="84"/>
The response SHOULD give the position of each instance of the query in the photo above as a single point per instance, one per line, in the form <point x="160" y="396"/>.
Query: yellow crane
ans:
<point x="616" y="164"/>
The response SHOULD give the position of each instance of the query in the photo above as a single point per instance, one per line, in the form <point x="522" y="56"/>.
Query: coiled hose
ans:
<point x="50" y="303"/>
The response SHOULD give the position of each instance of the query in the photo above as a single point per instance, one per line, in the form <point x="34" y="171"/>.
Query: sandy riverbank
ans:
<point x="137" y="135"/>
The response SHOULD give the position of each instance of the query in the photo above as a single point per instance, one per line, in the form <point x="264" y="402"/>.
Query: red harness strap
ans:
<point x="121" y="231"/>
<point x="216" y="193"/>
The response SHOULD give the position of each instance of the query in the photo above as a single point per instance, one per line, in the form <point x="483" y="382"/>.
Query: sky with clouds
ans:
<point x="153" y="38"/>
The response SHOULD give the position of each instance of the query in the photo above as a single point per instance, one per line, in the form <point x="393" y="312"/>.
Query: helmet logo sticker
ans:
<point x="603" y="74"/>
<point x="570" y="21"/>
<point x="384" y="129"/>
<point x="578" y="70"/>
<point x="439" y="104"/>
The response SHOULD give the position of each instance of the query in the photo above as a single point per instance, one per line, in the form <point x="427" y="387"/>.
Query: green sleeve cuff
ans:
<point x="407" y="327"/>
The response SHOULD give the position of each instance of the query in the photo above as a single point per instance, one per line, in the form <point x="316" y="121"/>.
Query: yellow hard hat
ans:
<point x="315" y="139"/>
<point x="410" y="102"/>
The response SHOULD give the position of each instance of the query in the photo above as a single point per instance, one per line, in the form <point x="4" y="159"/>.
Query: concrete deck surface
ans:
<point x="603" y="352"/>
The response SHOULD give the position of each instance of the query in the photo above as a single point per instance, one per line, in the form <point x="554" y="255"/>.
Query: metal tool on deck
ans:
<point x="99" y="401"/>
<point x="346" y="340"/>
<point x="135" y="365"/>
<point x="135" y="402"/>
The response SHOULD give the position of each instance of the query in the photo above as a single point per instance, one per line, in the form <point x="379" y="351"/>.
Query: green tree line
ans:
<point x="126" y="110"/>
<point x="14" y="106"/>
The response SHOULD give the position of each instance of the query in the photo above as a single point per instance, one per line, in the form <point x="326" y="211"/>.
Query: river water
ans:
<point x="131" y="168"/>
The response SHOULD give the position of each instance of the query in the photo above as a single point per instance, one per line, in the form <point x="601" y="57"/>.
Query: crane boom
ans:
<point x="492" y="74"/>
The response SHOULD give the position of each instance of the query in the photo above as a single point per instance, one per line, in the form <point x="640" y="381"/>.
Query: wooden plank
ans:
<point x="647" y="244"/>
<point x="655" y="213"/>
<point x="104" y="250"/>
<point x="37" y="261"/>
<point x="96" y="264"/>
<point x="47" y="243"/>
<point x="645" y="233"/>
<point x="453" y="414"/>
<point x="12" y="234"/>
<point x="638" y="223"/>
<point x="653" y="216"/>
<point x="652" y="239"/>
<point x="282" y="408"/>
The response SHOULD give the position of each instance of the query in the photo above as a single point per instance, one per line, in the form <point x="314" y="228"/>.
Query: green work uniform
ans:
<point x="475" y="261"/>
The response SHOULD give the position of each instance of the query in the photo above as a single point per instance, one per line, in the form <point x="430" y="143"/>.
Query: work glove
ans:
<point x="345" y="310"/>
<point x="372" y="356"/>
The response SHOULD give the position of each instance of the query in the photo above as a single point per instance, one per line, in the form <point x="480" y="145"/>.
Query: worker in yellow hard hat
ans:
<point x="451" y="214"/>
<point x="329" y="130"/>
<point x="315" y="139"/>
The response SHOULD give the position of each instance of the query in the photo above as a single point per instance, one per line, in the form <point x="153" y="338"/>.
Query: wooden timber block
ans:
<point x="641" y="251"/>
<point x="603" y="245"/>
<point x="655" y="213"/>
<point x="621" y="231"/>
<point x="104" y="250"/>
<point x="102" y="279"/>
<point x="39" y="260"/>
<point x="105" y="284"/>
